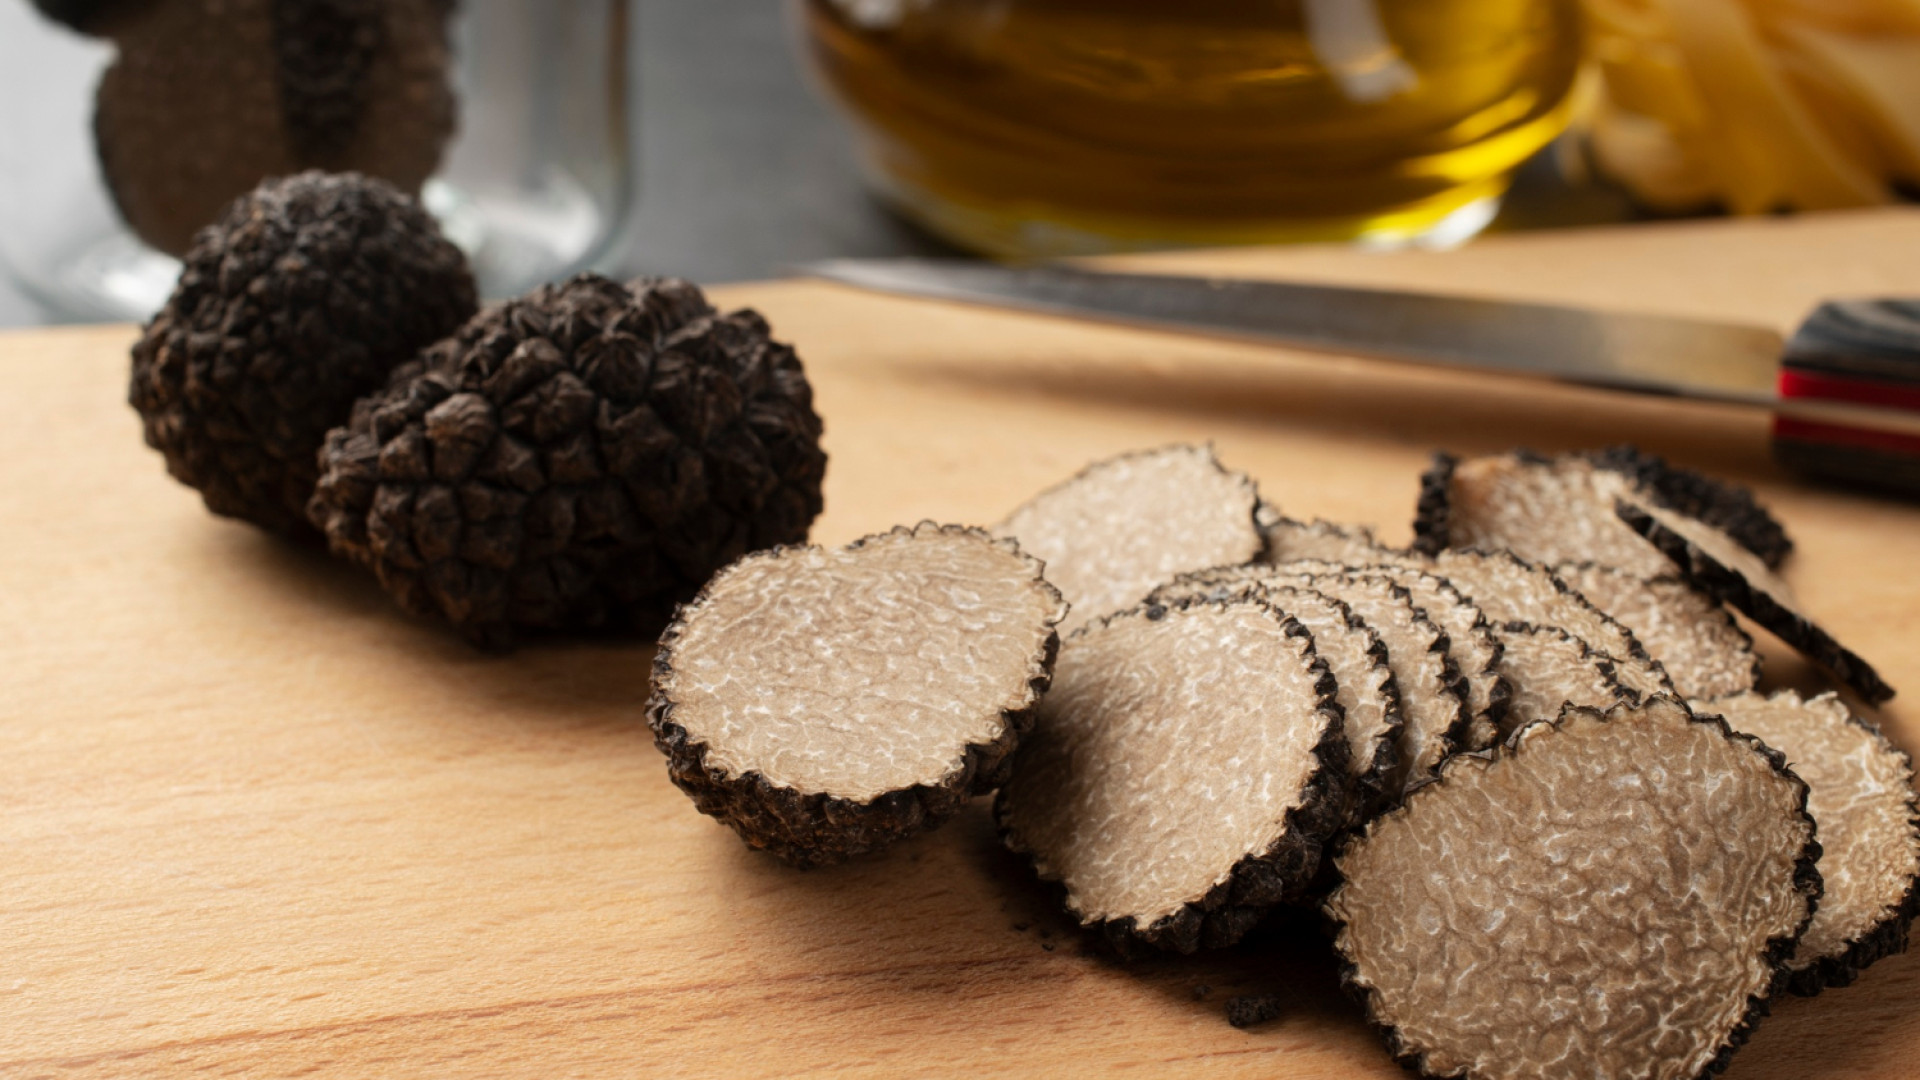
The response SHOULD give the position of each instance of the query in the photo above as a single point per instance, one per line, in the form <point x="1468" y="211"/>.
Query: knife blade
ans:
<point x="1845" y="390"/>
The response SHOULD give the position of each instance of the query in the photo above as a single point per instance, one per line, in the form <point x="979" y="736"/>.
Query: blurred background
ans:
<point x="729" y="141"/>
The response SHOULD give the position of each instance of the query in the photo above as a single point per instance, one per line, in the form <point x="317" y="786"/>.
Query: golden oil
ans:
<point x="1052" y="127"/>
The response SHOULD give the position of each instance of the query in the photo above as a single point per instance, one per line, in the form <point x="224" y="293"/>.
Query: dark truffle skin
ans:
<point x="202" y="102"/>
<point x="1727" y="507"/>
<point x="583" y="458"/>
<point x="86" y="16"/>
<point x="1713" y="574"/>
<point x="302" y="299"/>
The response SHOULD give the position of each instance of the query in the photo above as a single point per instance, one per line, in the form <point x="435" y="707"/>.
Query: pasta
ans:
<point x="1758" y="105"/>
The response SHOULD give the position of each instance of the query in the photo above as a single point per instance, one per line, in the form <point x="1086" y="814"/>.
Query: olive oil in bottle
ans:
<point x="1051" y="127"/>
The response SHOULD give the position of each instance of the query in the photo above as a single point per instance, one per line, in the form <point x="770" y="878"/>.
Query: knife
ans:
<point x="1844" y="390"/>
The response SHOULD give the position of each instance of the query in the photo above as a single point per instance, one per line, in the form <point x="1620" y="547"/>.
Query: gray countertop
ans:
<point x="744" y="169"/>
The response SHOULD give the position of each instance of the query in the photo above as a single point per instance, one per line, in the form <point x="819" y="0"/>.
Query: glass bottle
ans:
<point x="509" y="119"/>
<point x="1056" y="127"/>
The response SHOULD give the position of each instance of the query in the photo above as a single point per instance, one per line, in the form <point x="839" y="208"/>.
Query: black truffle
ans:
<point x="582" y="458"/>
<point x="302" y="299"/>
<point x="201" y="104"/>
<point x="86" y="16"/>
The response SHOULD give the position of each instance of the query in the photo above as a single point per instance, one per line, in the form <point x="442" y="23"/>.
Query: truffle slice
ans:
<point x="827" y="703"/>
<point x="1727" y="507"/>
<point x="1184" y="773"/>
<point x="1860" y="792"/>
<point x="1512" y="590"/>
<point x="1364" y="687"/>
<point x="1710" y="560"/>
<point x="1555" y="510"/>
<point x="579" y="459"/>
<point x="1287" y="540"/>
<point x="1127" y="524"/>
<point x="1608" y="895"/>
<point x="1693" y="636"/>
<point x="1432" y="695"/>
<point x="1471" y="642"/>
<point x="1545" y="510"/>
<point x="304" y="297"/>
<point x="1550" y="669"/>
<point x="1369" y="698"/>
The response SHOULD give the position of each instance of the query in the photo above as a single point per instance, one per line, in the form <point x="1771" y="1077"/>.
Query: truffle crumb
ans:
<point x="304" y="296"/>
<point x="1254" y="1009"/>
<point x="825" y="704"/>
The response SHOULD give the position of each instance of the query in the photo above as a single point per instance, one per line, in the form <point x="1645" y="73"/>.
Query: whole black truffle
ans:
<point x="302" y="299"/>
<point x="585" y="457"/>
<point x="204" y="100"/>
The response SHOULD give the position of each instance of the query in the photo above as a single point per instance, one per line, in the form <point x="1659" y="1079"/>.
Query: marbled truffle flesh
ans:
<point x="826" y="703"/>
<point x="1714" y="562"/>
<point x="1471" y="641"/>
<point x="1512" y="590"/>
<point x="1432" y="695"/>
<point x="1127" y="524"/>
<point x="1691" y="634"/>
<point x="1287" y="540"/>
<point x="1544" y="510"/>
<point x="1609" y="895"/>
<point x="1860" y="792"/>
<point x="1550" y="669"/>
<point x="1364" y="686"/>
<point x="1184" y="772"/>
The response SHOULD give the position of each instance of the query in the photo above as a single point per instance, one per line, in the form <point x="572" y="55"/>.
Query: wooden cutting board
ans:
<point x="255" y="822"/>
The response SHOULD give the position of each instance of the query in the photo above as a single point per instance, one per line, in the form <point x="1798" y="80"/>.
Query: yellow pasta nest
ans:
<point x="1758" y="105"/>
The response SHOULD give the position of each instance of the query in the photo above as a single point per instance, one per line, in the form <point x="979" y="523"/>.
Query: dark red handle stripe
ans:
<point x="1808" y="431"/>
<point x="1802" y="384"/>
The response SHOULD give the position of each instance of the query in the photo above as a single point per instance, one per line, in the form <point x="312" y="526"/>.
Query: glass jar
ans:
<point x="1057" y="127"/>
<point x="507" y="117"/>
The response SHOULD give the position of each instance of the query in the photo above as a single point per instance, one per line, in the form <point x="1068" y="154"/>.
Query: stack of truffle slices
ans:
<point x="1240" y="695"/>
<point x="579" y="459"/>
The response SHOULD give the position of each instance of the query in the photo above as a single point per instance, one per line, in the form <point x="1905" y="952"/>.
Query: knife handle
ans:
<point x="1854" y="352"/>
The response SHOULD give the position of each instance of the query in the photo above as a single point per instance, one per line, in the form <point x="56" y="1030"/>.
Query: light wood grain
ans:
<point x="254" y="822"/>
